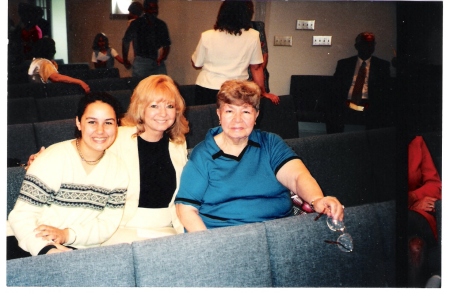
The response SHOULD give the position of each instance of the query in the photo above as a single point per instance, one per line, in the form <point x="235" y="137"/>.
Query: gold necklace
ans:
<point x="94" y="162"/>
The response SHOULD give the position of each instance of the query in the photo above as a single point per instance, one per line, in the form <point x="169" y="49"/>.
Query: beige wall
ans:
<point x="187" y="19"/>
<point x="338" y="19"/>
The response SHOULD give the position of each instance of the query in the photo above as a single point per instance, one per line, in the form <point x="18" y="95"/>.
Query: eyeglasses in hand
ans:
<point x="344" y="241"/>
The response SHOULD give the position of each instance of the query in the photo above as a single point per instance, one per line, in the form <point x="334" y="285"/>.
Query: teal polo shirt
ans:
<point x="229" y="190"/>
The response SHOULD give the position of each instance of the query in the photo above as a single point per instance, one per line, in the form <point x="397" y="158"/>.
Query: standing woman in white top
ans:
<point x="226" y="52"/>
<point x="103" y="55"/>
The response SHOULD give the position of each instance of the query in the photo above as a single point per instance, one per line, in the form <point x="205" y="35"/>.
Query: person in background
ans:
<point x="259" y="26"/>
<point x="42" y="23"/>
<point x="424" y="189"/>
<point x="30" y="32"/>
<point x="103" y="55"/>
<point x="227" y="51"/>
<point x="135" y="10"/>
<point x="73" y="195"/>
<point x="152" y="143"/>
<point x="361" y="90"/>
<point x="218" y="185"/>
<point x="44" y="69"/>
<point x="15" y="50"/>
<point x="151" y="42"/>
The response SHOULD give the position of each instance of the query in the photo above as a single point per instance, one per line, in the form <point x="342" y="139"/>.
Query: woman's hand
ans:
<point x="53" y="234"/>
<point x="59" y="248"/>
<point x="33" y="157"/>
<point x="126" y="63"/>
<point x="85" y="87"/>
<point x="329" y="206"/>
<point x="273" y="98"/>
<point x="426" y="204"/>
<point x="189" y="218"/>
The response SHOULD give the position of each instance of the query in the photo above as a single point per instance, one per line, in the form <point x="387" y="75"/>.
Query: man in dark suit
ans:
<point x="361" y="90"/>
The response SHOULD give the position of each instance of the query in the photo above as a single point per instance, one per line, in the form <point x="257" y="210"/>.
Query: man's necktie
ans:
<point x="359" y="83"/>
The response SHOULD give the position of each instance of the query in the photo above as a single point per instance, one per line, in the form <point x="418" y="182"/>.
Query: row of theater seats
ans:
<point x="104" y="79"/>
<point x="29" y="109"/>
<point x="46" y="102"/>
<point x="59" y="89"/>
<point x="58" y="124"/>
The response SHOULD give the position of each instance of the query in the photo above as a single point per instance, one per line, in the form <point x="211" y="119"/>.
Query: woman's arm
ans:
<point x="431" y="184"/>
<point x="297" y="178"/>
<point x="33" y="157"/>
<point x="57" y="77"/>
<point x="163" y="53"/>
<point x="118" y="58"/>
<point x="266" y="60"/>
<point x="258" y="78"/>
<point x="190" y="219"/>
<point x="22" y="220"/>
<point x="97" y="230"/>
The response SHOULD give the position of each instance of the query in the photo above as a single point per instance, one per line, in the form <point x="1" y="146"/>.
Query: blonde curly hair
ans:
<point x="157" y="88"/>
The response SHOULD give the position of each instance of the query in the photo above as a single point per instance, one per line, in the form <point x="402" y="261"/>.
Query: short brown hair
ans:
<point x="238" y="92"/>
<point x="157" y="87"/>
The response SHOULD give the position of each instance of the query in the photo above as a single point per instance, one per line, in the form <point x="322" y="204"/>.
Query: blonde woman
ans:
<point x="152" y="143"/>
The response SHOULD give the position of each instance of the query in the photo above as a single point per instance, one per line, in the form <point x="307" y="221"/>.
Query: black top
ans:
<point x="157" y="173"/>
<point x="148" y="35"/>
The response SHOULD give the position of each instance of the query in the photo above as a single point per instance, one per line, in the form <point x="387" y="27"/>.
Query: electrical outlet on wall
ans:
<point x="305" y="24"/>
<point x="321" y="40"/>
<point x="282" y="41"/>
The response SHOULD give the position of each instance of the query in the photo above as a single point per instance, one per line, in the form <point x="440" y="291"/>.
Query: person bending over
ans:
<point x="44" y="69"/>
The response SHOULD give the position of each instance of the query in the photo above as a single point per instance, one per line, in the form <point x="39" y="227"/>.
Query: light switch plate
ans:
<point x="282" y="41"/>
<point x="305" y="24"/>
<point x="321" y="40"/>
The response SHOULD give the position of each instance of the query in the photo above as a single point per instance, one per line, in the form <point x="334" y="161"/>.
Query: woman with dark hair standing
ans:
<point x="227" y="51"/>
<point x="103" y="55"/>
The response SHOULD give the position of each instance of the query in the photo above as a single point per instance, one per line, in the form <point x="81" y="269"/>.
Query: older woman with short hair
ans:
<point x="239" y="175"/>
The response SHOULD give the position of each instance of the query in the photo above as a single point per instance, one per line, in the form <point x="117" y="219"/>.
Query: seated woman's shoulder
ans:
<point x="59" y="148"/>
<point x="199" y="151"/>
<point x="265" y="136"/>
<point x="126" y="130"/>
